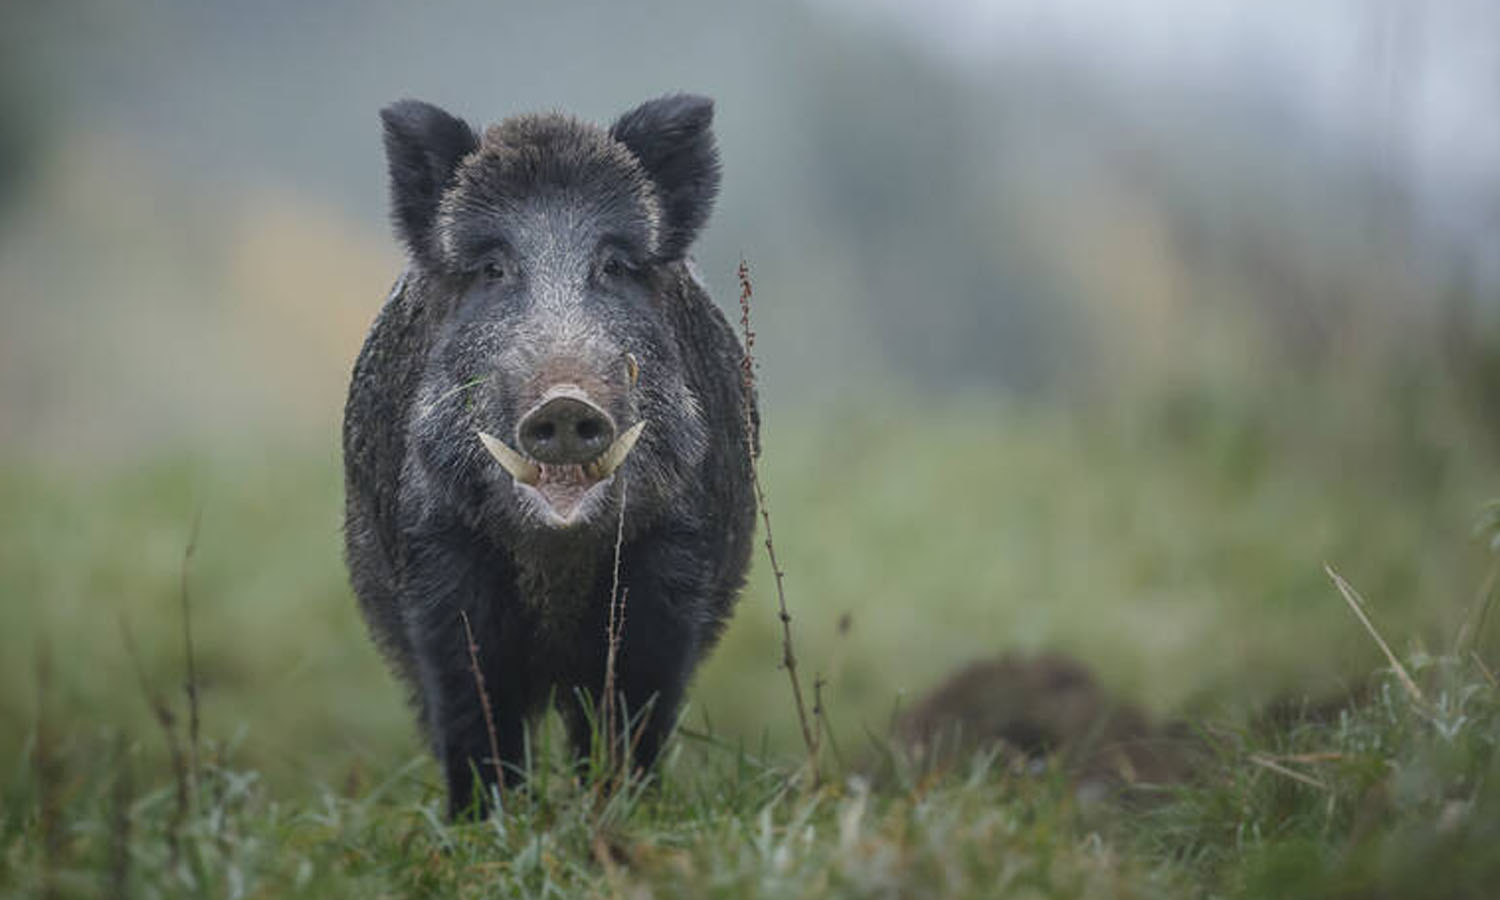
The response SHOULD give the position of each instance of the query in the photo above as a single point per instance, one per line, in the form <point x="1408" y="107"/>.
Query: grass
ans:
<point x="1390" y="797"/>
<point x="1180" y="553"/>
<point x="1385" y="799"/>
<point x="719" y="823"/>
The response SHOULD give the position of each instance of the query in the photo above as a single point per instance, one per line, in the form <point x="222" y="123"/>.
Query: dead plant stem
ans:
<point x="484" y="704"/>
<point x="788" y="654"/>
<point x="614" y="630"/>
<point x="191" y="686"/>
<point x="168" y="722"/>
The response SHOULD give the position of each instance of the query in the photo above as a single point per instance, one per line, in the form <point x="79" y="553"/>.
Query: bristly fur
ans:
<point x="548" y="251"/>
<point x="526" y="155"/>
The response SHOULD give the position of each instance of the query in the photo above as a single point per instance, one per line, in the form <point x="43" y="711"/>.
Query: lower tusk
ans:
<point x="605" y="466"/>
<point x="520" y="468"/>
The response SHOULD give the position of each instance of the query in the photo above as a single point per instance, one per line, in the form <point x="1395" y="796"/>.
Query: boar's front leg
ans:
<point x="665" y="617"/>
<point x="652" y="678"/>
<point x="448" y="577"/>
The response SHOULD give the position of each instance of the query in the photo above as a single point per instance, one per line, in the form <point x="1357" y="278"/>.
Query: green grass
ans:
<point x="1391" y="798"/>
<point x="1177" y="548"/>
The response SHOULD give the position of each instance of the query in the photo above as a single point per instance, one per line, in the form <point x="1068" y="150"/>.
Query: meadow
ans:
<point x="1176" y="545"/>
<point x="1114" y="344"/>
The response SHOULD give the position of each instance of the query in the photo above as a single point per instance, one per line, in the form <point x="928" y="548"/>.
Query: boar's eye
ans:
<point x="495" y="271"/>
<point x="614" y="266"/>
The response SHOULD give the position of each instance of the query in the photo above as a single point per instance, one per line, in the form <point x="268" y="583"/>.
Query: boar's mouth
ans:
<point x="562" y="489"/>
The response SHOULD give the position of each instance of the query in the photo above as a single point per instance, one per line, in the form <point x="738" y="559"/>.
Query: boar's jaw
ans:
<point x="562" y="494"/>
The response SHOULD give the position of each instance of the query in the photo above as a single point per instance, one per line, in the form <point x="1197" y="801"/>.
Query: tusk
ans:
<point x="520" y="468"/>
<point x="606" y="465"/>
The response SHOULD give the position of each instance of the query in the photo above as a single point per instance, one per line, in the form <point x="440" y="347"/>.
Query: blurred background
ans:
<point x="1094" y="326"/>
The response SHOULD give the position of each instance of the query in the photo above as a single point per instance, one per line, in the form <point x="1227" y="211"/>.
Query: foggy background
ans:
<point x="951" y="197"/>
<point x="1093" y="325"/>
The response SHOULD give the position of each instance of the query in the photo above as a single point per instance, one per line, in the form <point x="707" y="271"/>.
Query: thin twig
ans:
<point x="611" y="668"/>
<point x="1484" y="669"/>
<point x="117" y="874"/>
<point x="1356" y="603"/>
<point x="168" y="722"/>
<point x="48" y="767"/>
<point x="643" y="719"/>
<point x="484" y="704"/>
<point x="1469" y="636"/>
<point x="817" y="710"/>
<point x="613" y="632"/>
<point x="825" y="727"/>
<point x="788" y="656"/>
<point x="191" y="687"/>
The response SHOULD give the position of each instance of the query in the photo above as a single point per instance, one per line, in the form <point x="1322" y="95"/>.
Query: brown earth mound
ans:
<point x="1048" y="705"/>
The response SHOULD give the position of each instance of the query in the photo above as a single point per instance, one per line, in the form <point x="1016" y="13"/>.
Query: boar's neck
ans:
<point x="558" y="572"/>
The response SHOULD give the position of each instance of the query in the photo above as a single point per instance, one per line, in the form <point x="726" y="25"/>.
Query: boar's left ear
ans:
<point x="423" y="147"/>
<point x="672" y="138"/>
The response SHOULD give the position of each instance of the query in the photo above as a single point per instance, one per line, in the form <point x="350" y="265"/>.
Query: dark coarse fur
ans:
<point x="545" y="249"/>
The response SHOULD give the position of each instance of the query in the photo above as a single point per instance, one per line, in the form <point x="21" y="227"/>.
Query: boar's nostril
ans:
<point x="566" y="430"/>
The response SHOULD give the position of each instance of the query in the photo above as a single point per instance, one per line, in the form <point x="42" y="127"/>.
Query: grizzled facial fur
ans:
<point x="556" y="367"/>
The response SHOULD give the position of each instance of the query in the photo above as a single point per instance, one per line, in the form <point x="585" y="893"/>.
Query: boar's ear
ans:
<point x="672" y="138"/>
<point x="423" y="146"/>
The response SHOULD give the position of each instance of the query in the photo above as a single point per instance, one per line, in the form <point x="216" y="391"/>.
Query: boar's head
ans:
<point x="544" y="250"/>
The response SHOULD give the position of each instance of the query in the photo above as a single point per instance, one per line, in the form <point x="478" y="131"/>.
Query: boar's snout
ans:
<point x="566" y="428"/>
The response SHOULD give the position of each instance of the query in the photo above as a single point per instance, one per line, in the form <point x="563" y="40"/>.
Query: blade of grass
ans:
<point x="1356" y="603"/>
<point x="1279" y="769"/>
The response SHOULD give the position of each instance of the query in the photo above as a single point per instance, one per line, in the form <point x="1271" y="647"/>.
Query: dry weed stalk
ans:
<point x="788" y="656"/>
<point x="48" y="766"/>
<point x="162" y="711"/>
<point x="1356" y="603"/>
<point x="116" y="884"/>
<point x="1484" y="669"/>
<point x="484" y="705"/>
<point x="825" y="727"/>
<point x="613" y="635"/>
<point x="191" y="686"/>
<point x="1472" y="628"/>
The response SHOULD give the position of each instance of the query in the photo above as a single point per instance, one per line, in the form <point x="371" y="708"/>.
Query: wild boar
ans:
<point x="548" y="373"/>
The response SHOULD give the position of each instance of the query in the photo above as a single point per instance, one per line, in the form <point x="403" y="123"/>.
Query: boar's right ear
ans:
<point x="672" y="138"/>
<point x="423" y="146"/>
